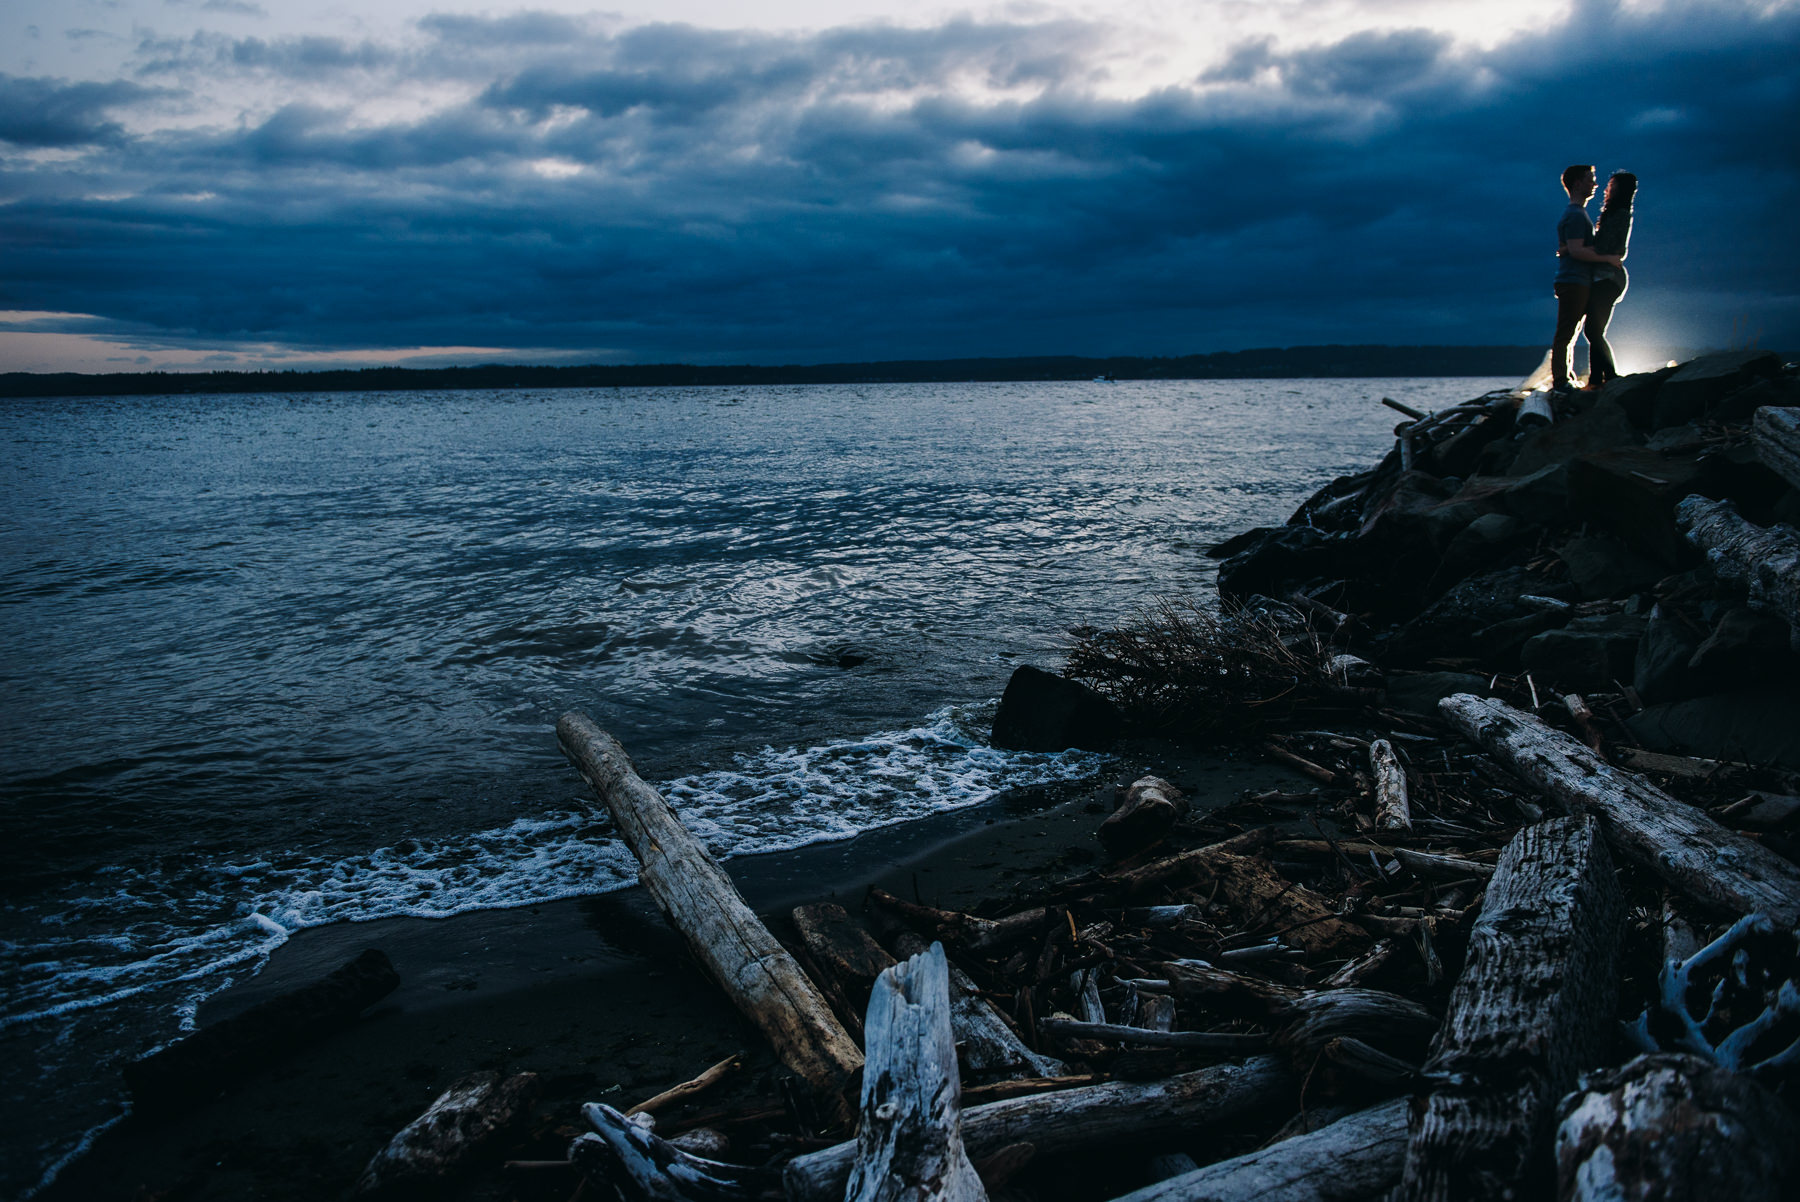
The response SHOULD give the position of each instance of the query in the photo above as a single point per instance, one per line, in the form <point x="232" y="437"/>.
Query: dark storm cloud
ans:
<point x="758" y="196"/>
<point x="52" y="112"/>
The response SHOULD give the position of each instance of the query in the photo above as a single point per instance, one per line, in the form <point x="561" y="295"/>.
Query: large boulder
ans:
<point x="1661" y="671"/>
<point x="1636" y="395"/>
<point x="1490" y="541"/>
<point x="1781" y="391"/>
<point x="1702" y="383"/>
<point x="1587" y="655"/>
<point x="1274" y="559"/>
<point x="1420" y="692"/>
<point x="1479" y="603"/>
<point x="1458" y="454"/>
<point x="1760" y="726"/>
<point x="1746" y="648"/>
<point x="1041" y="711"/>
<point x="1603" y="568"/>
<point x="1632" y="491"/>
<point x="1602" y="427"/>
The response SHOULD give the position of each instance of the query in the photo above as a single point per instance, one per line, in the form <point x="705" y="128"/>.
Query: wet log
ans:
<point x="986" y="1045"/>
<point x="699" y="900"/>
<point x="1677" y="1129"/>
<point x="1766" y="560"/>
<point x="1355" y="1158"/>
<point x="227" y="1052"/>
<point x="1188" y="867"/>
<point x="965" y="930"/>
<point x="1393" y="810"/>
<point x="1306" y="1020"/>
<point x="627" y="1157"/>
<point x="450" y="1136"/>
<point x="1261" y="901"/>
<point x="909" y="1145"/>
<point x="1441" y="868"/>
<point x="1360" y="969"/>
<point x="1220" y="1043"/>
<point x="1682" y="845"/>
<point x="1533" y="1008"/>
<point x="1775" y="430"/>
<point x="1092" y="1117"/>
<point x="1150" y="810"/>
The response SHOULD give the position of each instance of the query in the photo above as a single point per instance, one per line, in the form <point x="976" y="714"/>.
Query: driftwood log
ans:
<point x="1305" y="1021"/>
<point x="1776" y="433"/>
<point x="1222" y="1043"/>
<point x="700" y="901"/>
<point x="638" y="1166"/>
<point x="1533" y="1008"/>
<point x="965" y="930"/>
<point x="1672" y="840"/>
<point x="986" y="1046"/>
<point x="1090" y="1117"/>
<point x="1355" y="1158"/>
<point x="450" y="1136"/>
<point x="1393" y="810"/>
<point x="909" y="1145"/>
<point x="227" y="1052"/>
<point x="1766" y="560"/>
<point x="1150" y="810"/>
<point x="1188" y="866"/>
<point x="1677" y="1129"/>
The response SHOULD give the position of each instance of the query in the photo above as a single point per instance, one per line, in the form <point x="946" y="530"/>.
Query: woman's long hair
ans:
<point x="1612" y="233"/>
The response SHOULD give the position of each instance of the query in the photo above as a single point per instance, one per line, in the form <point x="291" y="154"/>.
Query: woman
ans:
<point x="1576" y="259"/>
<point x="1612" y="241"/>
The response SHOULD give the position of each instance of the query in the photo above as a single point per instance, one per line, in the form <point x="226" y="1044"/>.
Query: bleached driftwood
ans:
<point x="1442" y="868"/>
<point x="1224" y="1044"/>
<point x="452" y="1133"/>
<point x="226" y="1052"/>
<point x="1766" y="560"/>
<point x="688" y="1089"/>
<point x="1094" y="1116"/>
<point x="1150" y="810"/>
<point x="1533" y="1008"/>
<point x="700" y="901"/>
<point x="1676" y="842"/>
<point x="1776" y="432"/>
<point x="1188" y="866"/>
<point x="909" y="1145"/>
<point x="1677" y="1129"/>
<point x="986" y="1046"/>
<point x="1354" y="1158"/>
<point x="1393" y="811"/>
<point x="625" y="1155"/>
<point x="1303" y="1020"/>
<point x="965" y="930"/>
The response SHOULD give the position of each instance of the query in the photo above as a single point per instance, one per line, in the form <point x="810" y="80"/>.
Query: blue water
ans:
<point x="273" y="661"/>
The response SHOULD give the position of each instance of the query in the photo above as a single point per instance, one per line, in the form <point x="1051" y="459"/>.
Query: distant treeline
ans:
<point x="1296" y="362"/>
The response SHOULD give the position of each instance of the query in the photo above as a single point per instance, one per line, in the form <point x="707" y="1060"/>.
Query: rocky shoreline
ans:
<point x="1506" y="907"/>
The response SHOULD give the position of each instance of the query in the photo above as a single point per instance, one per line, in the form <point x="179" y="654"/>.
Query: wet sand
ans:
<point x="595" y="995"/>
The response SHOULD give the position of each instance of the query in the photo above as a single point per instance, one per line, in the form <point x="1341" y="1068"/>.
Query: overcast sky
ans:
<point x="206" y="183"/>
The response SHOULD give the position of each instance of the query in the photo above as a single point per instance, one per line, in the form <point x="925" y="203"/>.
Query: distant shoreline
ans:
<point x="1298" y="363"/>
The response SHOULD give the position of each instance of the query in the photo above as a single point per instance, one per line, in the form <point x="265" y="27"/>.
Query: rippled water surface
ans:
<point x="275" y="661"/>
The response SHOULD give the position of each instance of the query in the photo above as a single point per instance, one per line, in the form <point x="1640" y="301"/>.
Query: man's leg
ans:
<point x="1571" y="308"/>
<point x="1601" y="299"/>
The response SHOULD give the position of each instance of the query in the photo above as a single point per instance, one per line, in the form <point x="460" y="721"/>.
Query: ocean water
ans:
<point x="272" y="662"/>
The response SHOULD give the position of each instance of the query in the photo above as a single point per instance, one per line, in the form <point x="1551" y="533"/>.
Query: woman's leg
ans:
<point x="1601" y="299"/>
<point x="1571" y="307"/>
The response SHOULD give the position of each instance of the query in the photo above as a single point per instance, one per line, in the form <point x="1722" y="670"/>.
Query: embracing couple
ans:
<point x="1590" y="274"/>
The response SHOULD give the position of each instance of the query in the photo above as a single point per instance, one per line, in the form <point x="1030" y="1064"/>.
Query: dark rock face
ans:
<point x="1756" y="726"/>
<point x="1739" y="405"/>
<point x="1702" y="383"/>
<point x="1479" y="603"/>
<point x="1041" y="711"/>
<point x="1277" y="556"/>
<point x="1587" y="655"/>
<point x="1601" y="428"/>
<point x="1632" y="491"/>
<point x="1487" y="542"/>
<point x="1746" y="648"/>
<point x="1636" y="395"/>
<point x="1420" y="692"/>
<point x="1603" y="567"/>
<point x="1661" y="672"/>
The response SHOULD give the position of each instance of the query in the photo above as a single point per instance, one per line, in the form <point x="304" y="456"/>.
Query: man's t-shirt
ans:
<point x="1574" y="225"/>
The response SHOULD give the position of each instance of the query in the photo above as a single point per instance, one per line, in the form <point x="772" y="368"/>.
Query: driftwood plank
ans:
<point x="1678" y="843"/>
<point x="1766" y="560"/>
<point x="1776" y="432"/>
<point x="454" y="1130"/>
<point x="700" y="901"/>
<point x="909" y="1145"/>
<point x="1355" y="1158"/>
<point x="1393" y="809"/>
<point x="1533" y="1008"/>
<point x="1091" y="1117"/>
<point x="1677" y="1129"/>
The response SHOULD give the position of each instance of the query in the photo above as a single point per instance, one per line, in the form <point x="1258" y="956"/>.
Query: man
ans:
<point x="1574" y="273"/>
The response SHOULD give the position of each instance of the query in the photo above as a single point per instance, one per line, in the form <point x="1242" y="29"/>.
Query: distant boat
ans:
<point x="1104" y="380"/>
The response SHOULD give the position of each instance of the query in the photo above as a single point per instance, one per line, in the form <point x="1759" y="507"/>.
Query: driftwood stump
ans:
<point x="1766" y="560"/>
<point x="455" y="1129"/>
<point x="986" y="1046"/>
<point x="909" y="1144"/>
<point x="1674" y="1128"/>
<point x="1533" y="1007"/>
<point x="700" y="901"/>
<point x="1668" y="838"/>
<point x="1150" y="810"/>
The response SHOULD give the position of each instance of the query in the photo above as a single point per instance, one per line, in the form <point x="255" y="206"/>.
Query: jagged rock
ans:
<point x="1759" y="726"/>
<point x="1400" y="508"/>
<point x="1497" y="456"/>
<point x="1603" y="426"/>
<point x="1632" y="491"/>
<point x="1277" y="558"/>
<point x="1587" y="655"/>
<point x="1602" y="567"/>
<point x="1041" y="711"/>
<point x="1486" y="542"/>
<point x="1747" y="648"/>
<point x="1541" y="497"/>
<point x="1662" y="672"/>
<point x="1779" y="391"/>
<point x="1458" y="454"/>
<point x="1336" y="508"/>
<point x="1699" y="384"/>
<point x="1419" y="692"/>
<point x="1636" y="395"/>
